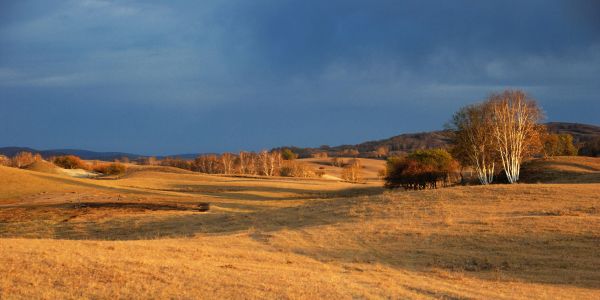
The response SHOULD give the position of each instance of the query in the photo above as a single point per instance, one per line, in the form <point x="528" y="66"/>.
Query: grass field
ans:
<point x="141" y="236"/>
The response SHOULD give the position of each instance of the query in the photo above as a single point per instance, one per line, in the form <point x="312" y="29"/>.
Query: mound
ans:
<point x="163" y="169"/>
<point x="17" y="182"/>
<point x="43" y="166"/>
<point x="142" y="171"/>
<point x="562" y="169"/>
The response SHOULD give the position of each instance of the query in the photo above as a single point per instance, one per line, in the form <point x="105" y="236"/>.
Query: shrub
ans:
<point x="23" y="159"/>
<point x="69" y="162"/>
<point x="110" y="168"/>
<point x="420" y="170"/>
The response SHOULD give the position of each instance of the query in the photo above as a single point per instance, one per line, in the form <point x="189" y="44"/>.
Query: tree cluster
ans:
<point x="503" y="130"/>
<point x="352" y="171"/>
<point x="422" y="169"/>
<point x="558" y="145"/>
<point x="264" y="163"/>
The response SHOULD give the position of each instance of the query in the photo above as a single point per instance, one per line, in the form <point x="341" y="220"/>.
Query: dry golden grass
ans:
<point x="562" y="169"/>
<point x="141" y="237"/>
<point x="369" y="167"/>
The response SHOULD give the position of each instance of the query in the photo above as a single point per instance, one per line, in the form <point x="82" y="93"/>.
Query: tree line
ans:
<point x="263" y="163"/>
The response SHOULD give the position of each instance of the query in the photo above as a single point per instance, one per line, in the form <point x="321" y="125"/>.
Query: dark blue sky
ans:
<point x="160" y="77"/>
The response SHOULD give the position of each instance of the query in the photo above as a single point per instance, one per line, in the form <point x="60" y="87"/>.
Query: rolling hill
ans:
<point x="402" y="143"/>
<point x="405" y="143"/>
<point x="142" y="236"/>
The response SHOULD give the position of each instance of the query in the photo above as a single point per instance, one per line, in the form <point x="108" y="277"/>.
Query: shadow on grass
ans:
<point x="256" y="193"/>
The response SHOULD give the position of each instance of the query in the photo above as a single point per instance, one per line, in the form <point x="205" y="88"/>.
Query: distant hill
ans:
<point x="409" y="142"/>
<point x="85" y="154"/>
<point x="580" y="132"/>
<point x="403" y="143"/>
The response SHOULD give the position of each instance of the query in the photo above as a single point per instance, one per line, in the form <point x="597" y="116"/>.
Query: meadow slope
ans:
<point x="141" y="236"/>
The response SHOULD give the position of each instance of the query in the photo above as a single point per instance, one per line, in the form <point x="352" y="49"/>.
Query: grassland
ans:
<point x="141" y="236"/>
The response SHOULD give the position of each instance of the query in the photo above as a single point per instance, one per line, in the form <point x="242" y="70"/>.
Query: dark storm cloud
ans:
<point x="183" y="76"/>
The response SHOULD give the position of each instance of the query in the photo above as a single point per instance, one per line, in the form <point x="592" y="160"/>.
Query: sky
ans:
<point x="169" y="77"/>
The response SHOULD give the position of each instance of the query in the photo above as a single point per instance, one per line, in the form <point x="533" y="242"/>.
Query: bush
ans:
<point x="23" y="159"/>
<point x="110" y="168"/>
<point x="421" y="170"/>
<point x="69" y="162"/>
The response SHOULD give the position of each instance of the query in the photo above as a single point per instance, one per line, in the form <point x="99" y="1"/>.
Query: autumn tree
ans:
<point x="337" y="162"/>
<point x="504" y="128"/>
<point x="473" y="142"/>
<point x="382" y="151"/>
<point x="558" y="145"/>
<point x="227" y="162"/>
<point x="288" y="154"/>
<point x="352" y="172"/>
<point x="515" y="118"/>
<point x="4" y="160"/>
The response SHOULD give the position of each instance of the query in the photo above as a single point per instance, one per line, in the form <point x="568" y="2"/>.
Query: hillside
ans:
<point x="565" y="169"/>
<point x="369" y="167"/>
<point x="85" y="154"/>
<point x="142" y="237"/>
<point x="580" y="132"/>
<point x="410" y="142"/>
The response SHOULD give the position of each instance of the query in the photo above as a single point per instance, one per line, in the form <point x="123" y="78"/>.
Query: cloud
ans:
<point x="283" y="61"/>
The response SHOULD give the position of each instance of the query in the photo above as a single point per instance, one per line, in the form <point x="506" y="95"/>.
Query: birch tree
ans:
<point x="227" y="160"/>
<point x="515" y="129"/>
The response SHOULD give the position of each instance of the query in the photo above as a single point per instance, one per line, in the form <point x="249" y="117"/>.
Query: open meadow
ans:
<point x="141" y="236"/>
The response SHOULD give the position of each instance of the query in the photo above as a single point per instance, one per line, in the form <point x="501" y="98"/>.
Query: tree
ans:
<point x="337" y="162"/>
<point x="558" y="145"/>
<point x="288" y="154"/>
<point x="382" y="151"/>
<point x="473" y="143"/>
<point x="227" y="160"/>
<point x="515" y="127"/>
<point x="352" y="172"/>
<point x="4" y="161"/>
